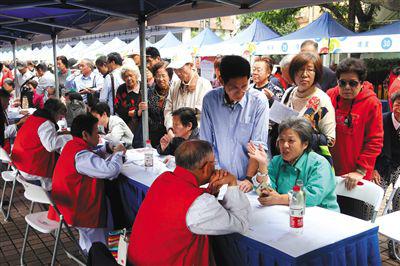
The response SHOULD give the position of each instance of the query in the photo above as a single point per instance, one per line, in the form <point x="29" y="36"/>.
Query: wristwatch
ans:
<point x="250" y="179"/>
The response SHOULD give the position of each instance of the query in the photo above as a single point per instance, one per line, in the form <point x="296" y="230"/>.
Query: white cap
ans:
<point x="179" y="60"/>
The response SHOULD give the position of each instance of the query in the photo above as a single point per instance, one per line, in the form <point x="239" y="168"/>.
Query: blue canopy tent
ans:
<point x="27" y="21"/>
<point x="384" y="39"/>
<point x="245" y="39"/>
<point x="320" y="30"/>
<point x="205" y="37"/>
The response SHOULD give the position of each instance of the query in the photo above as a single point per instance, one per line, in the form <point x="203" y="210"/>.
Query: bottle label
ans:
<point x="148" y="160"/>
<point x="296" y="222"/>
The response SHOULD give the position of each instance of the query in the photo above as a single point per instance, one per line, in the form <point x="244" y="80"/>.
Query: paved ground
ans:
<point x="39" y="249"/>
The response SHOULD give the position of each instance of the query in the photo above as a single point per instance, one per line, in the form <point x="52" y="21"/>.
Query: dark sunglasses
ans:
<point x="352" y="83"/>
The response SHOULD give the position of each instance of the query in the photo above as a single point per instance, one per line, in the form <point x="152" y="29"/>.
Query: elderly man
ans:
<point x="23" y="76"/>
<point x="328" y="79"/>
<point x="116" y="130"/>
<point x="177" y="225"/>
<point x="187" y="91"/>
<point x="78" y="181"/>
<point x="284" y="65"/>
<point x="112" y="80"/>
<point x="37" y="141"/>
<point x="45" y="78"/>
<point x="232" y="116"/>
<point x="87" y="82"/>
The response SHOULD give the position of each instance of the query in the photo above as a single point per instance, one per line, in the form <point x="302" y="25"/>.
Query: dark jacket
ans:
<point x="175" y="142"/>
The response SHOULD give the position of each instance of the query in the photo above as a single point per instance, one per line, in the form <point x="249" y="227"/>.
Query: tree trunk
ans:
<point x="352" y="15"/>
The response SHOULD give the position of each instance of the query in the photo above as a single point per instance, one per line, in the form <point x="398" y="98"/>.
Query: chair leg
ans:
<point x="53" y="258"/>
<point x="11" y="199"/>
<point x="24" y="244"/>
<point x="2" y="196"/>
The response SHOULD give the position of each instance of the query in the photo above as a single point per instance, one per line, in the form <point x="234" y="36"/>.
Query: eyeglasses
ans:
<point x="352" y="83"/>
<point x="305" y="70"/>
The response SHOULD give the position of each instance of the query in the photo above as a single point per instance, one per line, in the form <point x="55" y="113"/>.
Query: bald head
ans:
<point x="192" y="154"/>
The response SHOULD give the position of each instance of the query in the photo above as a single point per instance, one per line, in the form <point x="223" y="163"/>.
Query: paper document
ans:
<point x="279" y="112"/>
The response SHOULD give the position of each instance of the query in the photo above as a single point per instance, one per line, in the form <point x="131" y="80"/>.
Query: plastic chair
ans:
<point x="8" y="176"/>
<point x="40" y="222"/>
<point x="365" y="191"/>
<point x="388" y="223"/>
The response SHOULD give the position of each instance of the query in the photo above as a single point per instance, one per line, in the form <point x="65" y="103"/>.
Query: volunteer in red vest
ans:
<point x="176" y="217"/>
<point x="78" y="181"/>
<point x="37" y="142"/>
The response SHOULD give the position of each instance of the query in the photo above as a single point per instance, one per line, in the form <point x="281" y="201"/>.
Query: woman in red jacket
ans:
<point x="4" y="74"/>
<point x="359" y="127"/>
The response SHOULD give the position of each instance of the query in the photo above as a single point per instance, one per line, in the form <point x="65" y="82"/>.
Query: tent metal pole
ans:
<point x="15" y="66"/>
<point x="143" y="84"/>
<point x="54" y="42"/>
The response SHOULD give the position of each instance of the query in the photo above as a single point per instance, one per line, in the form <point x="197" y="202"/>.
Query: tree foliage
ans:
<point x="282" y="21"/>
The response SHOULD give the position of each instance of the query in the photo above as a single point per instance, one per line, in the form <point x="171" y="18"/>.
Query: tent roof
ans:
<point x="29" y="21"/>
<point x="205" y="37"/>
<point x="393" y="28"/>
<point x="323" y="27"/>
<point x="169" y="40"/>
<point x="256" y="32"/>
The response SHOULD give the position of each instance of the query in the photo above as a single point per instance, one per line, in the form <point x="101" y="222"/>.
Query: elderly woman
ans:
<point x="156" y="103"/>
<point x="359" y="129"/>
<point x="184" y="127"/>
<point x="128" y="103"/>
<point x="263" y="79"/>
<point x="311" y="102"/>
<point x="296" y="162"/>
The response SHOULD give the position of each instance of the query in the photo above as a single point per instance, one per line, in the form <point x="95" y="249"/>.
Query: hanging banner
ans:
<point x="365" y="44"/>
<point x="289" y="46"/>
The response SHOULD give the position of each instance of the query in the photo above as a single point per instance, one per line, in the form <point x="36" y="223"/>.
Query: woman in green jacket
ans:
<point x="296" y="162"/>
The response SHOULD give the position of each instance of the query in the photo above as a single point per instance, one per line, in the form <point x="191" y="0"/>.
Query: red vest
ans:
<point x="28" y="154"/>
<point x="160" y="235"/>
<point x="79" y="198"/>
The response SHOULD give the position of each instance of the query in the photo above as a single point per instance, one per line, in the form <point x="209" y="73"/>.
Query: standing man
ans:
<point x="112" y="80"/>
<point x="232" y="116"/>
<point x="328" y="79"/>
<point x="22" y="77"/>
<point x="45" y="79"/>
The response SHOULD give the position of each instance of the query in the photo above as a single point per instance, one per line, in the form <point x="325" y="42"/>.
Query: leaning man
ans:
<point x="232" y="116"/>
<point x="176" y="217"/>
<point x="78" y="181"/>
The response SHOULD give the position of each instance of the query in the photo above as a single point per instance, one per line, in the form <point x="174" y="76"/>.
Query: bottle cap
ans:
<point x="296" y="188"/>
<point x="147" y="141"/>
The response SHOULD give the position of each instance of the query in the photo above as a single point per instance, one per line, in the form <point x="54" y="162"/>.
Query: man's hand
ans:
<point x="352" y="179"/>
<point x="22" y="121"/>
<point x="245" y="186"/>
<point x="84" y="91"/>
<point x="142" y="106"/>
<point x="268" y="93"/>
<point x="119" y="148"/>
<point x="220" y="178"/>
<point x="376" y="178"/>
<point x="164" y="142"/>
<point x="131" y="113"/>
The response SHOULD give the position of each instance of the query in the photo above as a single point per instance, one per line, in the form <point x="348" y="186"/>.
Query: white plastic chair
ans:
<point x="365" y="191"/>
<point x="40" y="222"/>
<point x="8" y="176"/>
<point x="389" y="223"/>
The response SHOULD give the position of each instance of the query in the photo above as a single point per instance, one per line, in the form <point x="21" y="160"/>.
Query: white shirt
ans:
<point x="118" y="131"/>
<point x="45" y="81"/>
<point x="396" y="123"/>
<point x="178" y="98"/>
<point x="106" y="92"/>
<point x="51" y="142"/>
<point x="91" y="164"/>
<point x="206" y="216"/>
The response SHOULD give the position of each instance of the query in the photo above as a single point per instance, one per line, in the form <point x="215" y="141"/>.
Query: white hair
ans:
<point x="132" y="68"/>
<point x="285" y="61"/>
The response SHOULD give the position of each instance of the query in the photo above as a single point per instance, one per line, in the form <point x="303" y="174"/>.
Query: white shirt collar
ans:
<point x="396" y="123"/>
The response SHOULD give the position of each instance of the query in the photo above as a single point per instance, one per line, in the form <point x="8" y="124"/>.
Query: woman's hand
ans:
<point x="376" y="178"/>
<point x="164" y="141"/>
<point x="142" y="107"/>
<point x="270" y="197"/>
<point x="352" y="179"/>
<point x="257" y="153"/>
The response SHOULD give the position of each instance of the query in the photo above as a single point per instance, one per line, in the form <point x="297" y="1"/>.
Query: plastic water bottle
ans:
<point x="148" y="155"/>
<point x="299" y="183"/>
<point x="296" y="210"/>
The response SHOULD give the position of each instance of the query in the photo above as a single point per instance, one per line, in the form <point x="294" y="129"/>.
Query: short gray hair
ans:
<point x="301" y="126"/>
<point x="285" y="61"/>
<point x="130" y="68"/>
<point x="88" y="62"/>
<point x="192" y="154"/>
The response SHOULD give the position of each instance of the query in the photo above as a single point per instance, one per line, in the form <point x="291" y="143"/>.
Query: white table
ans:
<point x="389" y="225"/>
<point x="269" y="226"/>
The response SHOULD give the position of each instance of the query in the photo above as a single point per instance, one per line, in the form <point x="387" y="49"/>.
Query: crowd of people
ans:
<point x="219" y="131"/>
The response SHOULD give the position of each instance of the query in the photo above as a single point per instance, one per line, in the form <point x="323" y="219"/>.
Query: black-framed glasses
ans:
<point x="352" y="83"/>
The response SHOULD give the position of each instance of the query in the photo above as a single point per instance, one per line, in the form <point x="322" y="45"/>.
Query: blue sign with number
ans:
<point x="284" y="47"/>
<point x="386" y="43"/>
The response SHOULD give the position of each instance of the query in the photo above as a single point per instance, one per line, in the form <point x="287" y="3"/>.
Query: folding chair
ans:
<point x="8" y="176"/>
<point x="365" y="191"/>
<point x="40" y="222"/>
<point x="388" y="223"/>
